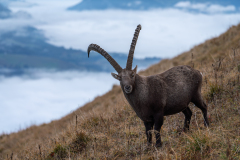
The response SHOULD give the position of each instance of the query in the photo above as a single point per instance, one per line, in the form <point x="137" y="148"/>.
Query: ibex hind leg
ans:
<point x="198" y="101"/>
<point x="188" y="114"/>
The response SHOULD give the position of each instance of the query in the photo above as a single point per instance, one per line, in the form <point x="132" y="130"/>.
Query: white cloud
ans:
<point x="218" y="8"/>
<point x="46" y="96"/>
<point x="138" y="2"/>
<point x="14" y="24"/>
<point x="183" y="4"/>
<point x="205" y="7"/>
<point x="199" y="6"/>
<point x="21" y="15"/>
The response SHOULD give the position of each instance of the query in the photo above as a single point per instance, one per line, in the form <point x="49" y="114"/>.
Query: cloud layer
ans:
<point x="45" y="96"/>
<point x="165" y="32"/>
<point x="205" y="7"/>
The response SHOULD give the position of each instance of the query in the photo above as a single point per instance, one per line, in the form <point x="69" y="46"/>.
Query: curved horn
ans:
<point x="132" y="48"/>
<point x="98" y="49"/>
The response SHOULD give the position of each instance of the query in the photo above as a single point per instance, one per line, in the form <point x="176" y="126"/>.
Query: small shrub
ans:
<point x="199" y="145"/>
<point x="59" y="152"/>
<point x="94" y="121"/>
<point x="214" y="90"/>
<point x="132" y="134"/>
<point x="79" y="143"/>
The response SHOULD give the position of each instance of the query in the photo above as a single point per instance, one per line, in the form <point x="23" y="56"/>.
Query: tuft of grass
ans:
<point x="198" y="144"/>
<point x="94" y="121"/>
<point x="59" y="152"/>
<point x="118" y="153"/>
<point x="215" y="90"/>
<point x="79" y="143"/>
<point x="238" y="68"/>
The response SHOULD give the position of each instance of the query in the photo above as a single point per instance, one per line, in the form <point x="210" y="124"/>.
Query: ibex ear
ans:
<point x="135" y="69"/>
<point x="116" y="76"/>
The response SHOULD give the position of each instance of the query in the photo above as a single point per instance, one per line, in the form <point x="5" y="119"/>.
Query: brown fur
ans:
<point x="156" y="96"/>
<point x="168" y="93"/>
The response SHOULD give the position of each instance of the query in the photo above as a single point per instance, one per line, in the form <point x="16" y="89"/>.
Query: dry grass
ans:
<point x="107" y="128"/>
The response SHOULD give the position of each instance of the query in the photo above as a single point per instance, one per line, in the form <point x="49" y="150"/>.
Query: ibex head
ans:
<point x="125" y="76"/>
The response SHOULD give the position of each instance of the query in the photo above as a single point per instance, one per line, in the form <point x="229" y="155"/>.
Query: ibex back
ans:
<point x="156" y="96"/>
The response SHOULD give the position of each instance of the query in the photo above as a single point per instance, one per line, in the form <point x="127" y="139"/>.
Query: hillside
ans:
<point x="107" y="127"/>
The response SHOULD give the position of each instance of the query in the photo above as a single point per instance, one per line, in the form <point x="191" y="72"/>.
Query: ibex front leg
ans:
<point x="149" y="126"/>
<point x="157" y="127"/>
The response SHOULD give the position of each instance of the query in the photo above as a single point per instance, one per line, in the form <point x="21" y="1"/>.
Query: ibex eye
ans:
<point x="132" y="75"/>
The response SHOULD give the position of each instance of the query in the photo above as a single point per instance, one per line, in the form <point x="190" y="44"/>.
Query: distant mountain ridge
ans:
<point x="28" y="48"/>
<point x="140" y="4"/>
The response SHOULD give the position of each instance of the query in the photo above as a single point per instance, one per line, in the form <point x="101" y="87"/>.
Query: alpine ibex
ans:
<point x="156" y="96"/>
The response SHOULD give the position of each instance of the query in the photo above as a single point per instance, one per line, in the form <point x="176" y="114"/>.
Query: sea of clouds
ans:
<point x="43" y="96"/>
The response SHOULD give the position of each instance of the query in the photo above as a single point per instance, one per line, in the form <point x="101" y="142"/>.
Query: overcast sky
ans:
<point x="165" y="32"/>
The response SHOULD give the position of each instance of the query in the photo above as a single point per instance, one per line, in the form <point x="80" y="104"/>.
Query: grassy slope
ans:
<point x="108" y="128"/>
